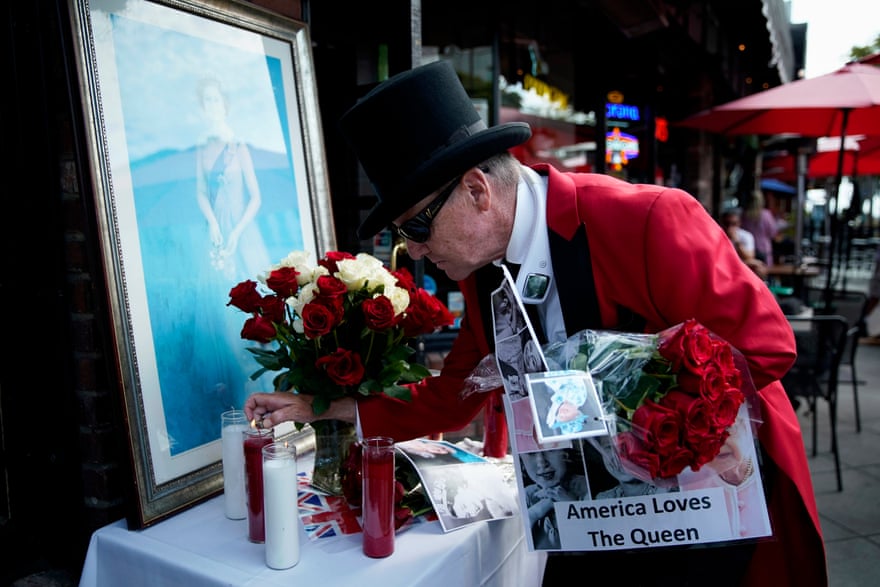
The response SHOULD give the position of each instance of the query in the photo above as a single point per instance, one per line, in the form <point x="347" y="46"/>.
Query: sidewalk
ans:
<point x="850" y="519"/>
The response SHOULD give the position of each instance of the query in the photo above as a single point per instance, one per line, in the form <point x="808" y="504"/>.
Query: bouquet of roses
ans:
<point x="669" y="398"/>
<point x="342" y="327"/>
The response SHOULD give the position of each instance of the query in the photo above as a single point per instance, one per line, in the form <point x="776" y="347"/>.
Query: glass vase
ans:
<point x="333" y="440"/>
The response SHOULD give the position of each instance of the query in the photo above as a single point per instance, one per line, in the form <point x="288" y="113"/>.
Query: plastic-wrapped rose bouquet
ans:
<point x="669" y="398"/>
<point x="342" y="327"/>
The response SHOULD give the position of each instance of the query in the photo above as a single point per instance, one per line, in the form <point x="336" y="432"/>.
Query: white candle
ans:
<point x="280" y="506"/>
<point x="233" y="423"/>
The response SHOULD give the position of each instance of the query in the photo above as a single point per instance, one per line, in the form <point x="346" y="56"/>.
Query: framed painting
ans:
<point x="207" y="165"/>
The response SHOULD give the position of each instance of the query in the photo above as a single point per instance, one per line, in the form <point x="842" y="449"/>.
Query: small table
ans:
<point x="793" y="276"/>
<point x="200" y="547"/>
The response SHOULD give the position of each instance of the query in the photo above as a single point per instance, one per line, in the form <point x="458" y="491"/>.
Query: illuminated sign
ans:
<point x="622" y="112"/>
<point x="620" y="148"/>
<point x="661" y="129"/>
<point x="544" y="89"/>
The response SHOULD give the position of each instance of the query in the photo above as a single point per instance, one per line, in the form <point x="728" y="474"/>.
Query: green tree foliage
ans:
<point x="859" y="52"/>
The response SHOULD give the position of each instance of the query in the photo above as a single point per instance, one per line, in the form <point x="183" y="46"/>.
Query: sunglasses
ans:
<point x="418" y="228"/>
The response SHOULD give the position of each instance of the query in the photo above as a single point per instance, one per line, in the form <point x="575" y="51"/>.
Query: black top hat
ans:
<point x="417" y="131"/>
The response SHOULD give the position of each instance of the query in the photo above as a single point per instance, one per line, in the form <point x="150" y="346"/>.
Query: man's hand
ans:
<point x="281" y="406"/>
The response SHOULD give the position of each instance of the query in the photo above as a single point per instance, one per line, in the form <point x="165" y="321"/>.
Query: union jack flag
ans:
<point x="325" y="516"/>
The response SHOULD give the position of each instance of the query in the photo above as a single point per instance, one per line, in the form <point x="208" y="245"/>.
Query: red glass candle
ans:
<point x="254" y="441"/>
<point x="377" y="468"/>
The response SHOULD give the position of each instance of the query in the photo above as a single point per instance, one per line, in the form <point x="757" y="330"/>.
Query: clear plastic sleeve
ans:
<point x="668" y="398"/>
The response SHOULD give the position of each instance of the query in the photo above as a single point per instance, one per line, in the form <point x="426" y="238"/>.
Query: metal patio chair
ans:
<point x="851" y="305"/>
<point x="821" y="343"/>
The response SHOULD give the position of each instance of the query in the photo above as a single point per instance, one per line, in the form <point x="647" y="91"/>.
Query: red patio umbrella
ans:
<point x="846" y="101"/>
<point x="856" y="163"/>
<point x="834" y="104"/>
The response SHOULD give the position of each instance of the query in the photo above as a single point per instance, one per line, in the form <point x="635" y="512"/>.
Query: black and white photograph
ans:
<point x="463" y="487"/>
<point x="550" y="476"/>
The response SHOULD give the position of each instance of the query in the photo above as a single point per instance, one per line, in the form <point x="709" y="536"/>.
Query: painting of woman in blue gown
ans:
<point x="215" y="193"/>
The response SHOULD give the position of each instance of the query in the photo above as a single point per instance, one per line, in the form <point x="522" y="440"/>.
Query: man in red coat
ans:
<point x="615" y="255"/>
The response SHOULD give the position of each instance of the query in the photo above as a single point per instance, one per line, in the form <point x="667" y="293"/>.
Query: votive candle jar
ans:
<point x="280" y="505"/>
<point x="377" y="505"/>
<point x="232" y="424"/>
<point x="254" y="441"/>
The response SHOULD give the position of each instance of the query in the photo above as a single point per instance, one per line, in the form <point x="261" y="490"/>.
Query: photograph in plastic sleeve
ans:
<point x="565" y="405"/>
<point x="593" y="494"/>
<point x="463" y="487"/>
<point x="508" y="319"/>
<point x="517" y="352"/>
<point x="583" y="499"/>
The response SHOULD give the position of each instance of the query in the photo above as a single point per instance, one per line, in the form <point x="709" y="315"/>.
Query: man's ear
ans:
<point x="477" y="185"/>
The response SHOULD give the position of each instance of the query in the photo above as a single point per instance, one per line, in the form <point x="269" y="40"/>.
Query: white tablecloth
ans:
<point x="201" y="547"/>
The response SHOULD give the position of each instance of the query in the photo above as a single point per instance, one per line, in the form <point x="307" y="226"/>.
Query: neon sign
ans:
<point x="620" y="148"/>
<point x="622" y="112"/>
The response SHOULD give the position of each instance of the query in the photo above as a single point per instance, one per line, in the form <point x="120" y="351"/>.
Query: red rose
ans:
<point x="331" y="287"/>
<point x="318" y="320"/>
<point x="440" y="314"/>
<point x="379" y="313"/>
<point x="343" y="367"/>
<point x="676" y="462"/>
<point x="245" y="296"/>
<point x="707" y="449"/>
<point x="405" y="280"/>
<point x="727" y="407"/>
<point x="425" y="314"/>
<point x="634" y="456"/>
<point x="283" y="281"/>
<point x="331" y="258"/>
<point x="258" y="328"/>
<point x="697" y="414"/>
<point x="709" y="382"/>
<point x="273" y="308"/>
<point x="660" y="427"/>
<point x="689" y="346"/>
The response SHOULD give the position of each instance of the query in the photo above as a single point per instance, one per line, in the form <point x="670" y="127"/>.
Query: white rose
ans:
<point x="305" y="295"/>
<point x="355" y="273"/>
<point x="399" y="299"/>
<point x="312" y="275"/>
<point x="298" y="259"/>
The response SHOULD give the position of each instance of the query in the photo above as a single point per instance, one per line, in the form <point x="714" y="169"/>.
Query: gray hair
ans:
<point x="504" y="168"/>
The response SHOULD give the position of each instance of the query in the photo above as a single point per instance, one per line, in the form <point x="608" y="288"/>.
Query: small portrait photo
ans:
<point x="506" y="314"/>
<point x="550" y="476"/>
<point x="565" y="405"/>
<point x="533" y="357"/>
<point x="509" y="354"/>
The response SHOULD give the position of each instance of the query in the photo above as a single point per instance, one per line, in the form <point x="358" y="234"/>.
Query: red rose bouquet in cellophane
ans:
<point x="669" y="398"/>
<point x="342" y="327"/>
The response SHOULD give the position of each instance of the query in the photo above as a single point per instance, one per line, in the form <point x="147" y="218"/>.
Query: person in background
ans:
<point x="617" y="256"/>
<point x="759" y="220"/>
<point x="743" y="241"/>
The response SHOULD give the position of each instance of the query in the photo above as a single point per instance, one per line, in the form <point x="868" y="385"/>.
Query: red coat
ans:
<point x="656" y="251"/>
